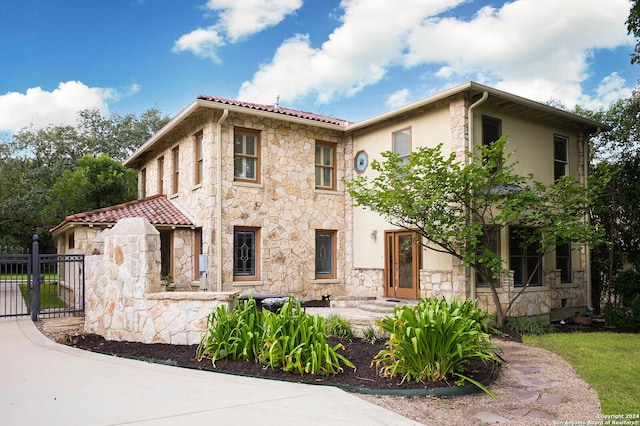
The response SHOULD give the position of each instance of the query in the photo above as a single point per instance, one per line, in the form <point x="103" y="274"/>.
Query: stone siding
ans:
<point x="123" y="292"/>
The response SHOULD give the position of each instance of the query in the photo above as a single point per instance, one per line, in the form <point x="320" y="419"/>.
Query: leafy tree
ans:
<point x="633" y="27"/>
<point x="457" y="208"/>
<point x="95" y="183"/>
<point x="33" y="159"/>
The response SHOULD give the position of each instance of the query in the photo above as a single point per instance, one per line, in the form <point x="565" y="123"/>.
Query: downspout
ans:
<point x="586" y="185"/>
<point x="484" y="97"/>
<point x="219" y="232"/>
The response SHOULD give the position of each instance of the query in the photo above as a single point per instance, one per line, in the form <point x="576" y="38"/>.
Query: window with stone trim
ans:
<point x="199" y="158"/>
<point x="143" y="183"/>
<point x="325" y="254"/>
<point x="246" y="155"/>
<point x="175" y="156"/>
<point x="563" y="262"/>
<point x="161" y="175"/>
<point x="490" y="242"/>
<point x="524" y="255"/>
<point x="246" y="258"/>
<point x="325" y="165"/>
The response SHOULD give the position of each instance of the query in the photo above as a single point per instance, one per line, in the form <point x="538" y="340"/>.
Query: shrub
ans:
<point x="232" y="335"/>
<point x="435" y="340"/>
<point x="340" y="327"/>
<point x="621" y="316"/>
<point x="290" y="339"/>
<point x="370" y="335"/>
<point x="529" y="326"/>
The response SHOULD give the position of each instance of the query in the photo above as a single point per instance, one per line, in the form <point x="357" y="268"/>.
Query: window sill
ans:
<point x="198" y="186"/>
<point x="327" y="191"/>
<point x="247" y="283"/>
<point x="326" y="281"/>
<point x="247" y="184"/>
<point x="172" y="196"/>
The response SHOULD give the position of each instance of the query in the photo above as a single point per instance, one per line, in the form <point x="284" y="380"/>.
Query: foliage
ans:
<point x="457" y="207"/>
<point x="606" y="361"/>
<point x="295" y="341"/>
<point x="339" y="327"/>
<point x="33" y="159"/>
<point x="529" y="326"/>
<point x="233" y="335"/>
<point x="95" y="183"/>
<point x="435" y="340"/>
<point x="49" y="298"/>
<point x="633" y="27"/>
<point x="369" y="334"/>
<point x="290" y="339"/>
<point x="621" y="316"/>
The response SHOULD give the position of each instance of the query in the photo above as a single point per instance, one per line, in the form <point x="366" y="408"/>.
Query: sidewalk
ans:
<point x="42" y="382"/>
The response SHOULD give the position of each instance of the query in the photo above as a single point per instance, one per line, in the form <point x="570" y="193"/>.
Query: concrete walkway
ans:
<point x="42" y="382"/>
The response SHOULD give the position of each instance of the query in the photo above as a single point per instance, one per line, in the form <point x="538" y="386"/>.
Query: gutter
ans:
<point x="218" y="226"/>
<point x="485" y="96"/>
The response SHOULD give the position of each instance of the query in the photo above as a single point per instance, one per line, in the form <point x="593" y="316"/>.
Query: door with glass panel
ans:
<point x="401" y="264"/>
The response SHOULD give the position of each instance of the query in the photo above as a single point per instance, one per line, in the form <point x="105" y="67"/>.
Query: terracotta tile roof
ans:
<point x="276" y="109"/>
<point x="157" y="209"/>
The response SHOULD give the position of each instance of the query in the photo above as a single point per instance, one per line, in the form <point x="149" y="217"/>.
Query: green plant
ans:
<point x="49" y="298"/>
<point x="296" y="341"/>
<point x="289" y="339"/>
<point x="233" y="335"/>
<point x="435" y="340"/>
<point x="529" y="326"/>
<point x="618" y="315"/>
<point x="340" y="327"/>
<point x="369" y="334"/>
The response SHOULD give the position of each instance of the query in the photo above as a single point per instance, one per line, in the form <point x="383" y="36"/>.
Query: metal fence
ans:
<point x="60" y="279"/>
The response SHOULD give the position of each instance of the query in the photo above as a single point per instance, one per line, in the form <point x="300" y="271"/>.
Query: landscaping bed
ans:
<point x="358" y="351"/>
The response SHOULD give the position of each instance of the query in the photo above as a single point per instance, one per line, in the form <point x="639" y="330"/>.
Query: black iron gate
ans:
<point x="60" y="279"/>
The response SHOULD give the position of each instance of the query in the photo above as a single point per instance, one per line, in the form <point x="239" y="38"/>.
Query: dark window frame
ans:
<point x="522" y="259"/>
<point x="325" y="265"/>
<point x="246" y="259"/>
<point x="492" y="239"/>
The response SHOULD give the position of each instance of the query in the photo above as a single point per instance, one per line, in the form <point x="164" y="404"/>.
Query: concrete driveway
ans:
<point x="42" y="382"/>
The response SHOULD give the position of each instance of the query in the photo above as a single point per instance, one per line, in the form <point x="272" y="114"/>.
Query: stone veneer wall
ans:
<point x="123" y="298"/>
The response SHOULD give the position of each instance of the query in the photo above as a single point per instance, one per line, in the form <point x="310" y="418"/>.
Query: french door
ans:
<point x="402" y="263"/>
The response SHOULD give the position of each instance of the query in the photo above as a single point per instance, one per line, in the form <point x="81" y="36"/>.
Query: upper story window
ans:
<point x="246" y="157"/>
<point x="175" y="155"/>
<point x="491" y="130"/>
<point x="143" y="183"/>
<point x="199" y="158"/>
<point x="325" y="166"/>
<point x="560" y="156"/>
<point x="161" y="175"/>
<point x="402" y="145"/>
<point x="524" y="256"/>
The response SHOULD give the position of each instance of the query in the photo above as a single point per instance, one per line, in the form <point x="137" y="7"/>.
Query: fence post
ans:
<point x="35" y="257"/>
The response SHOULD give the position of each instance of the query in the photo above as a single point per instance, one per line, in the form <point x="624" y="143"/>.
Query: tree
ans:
<point x="458" y="208"/>
<point x="94" y="184"/>
<point x="33" y="159"/>
<point x="633" y="27"/>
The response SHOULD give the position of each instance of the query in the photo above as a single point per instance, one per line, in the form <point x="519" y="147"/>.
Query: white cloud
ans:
<point x="398" y="98"/>
<point x="539" y="49"/>
<point x="202" y="42"/>
<point x="38" y="108"/>
<point x="238" y="19"/>
<point x="357" y="54"/>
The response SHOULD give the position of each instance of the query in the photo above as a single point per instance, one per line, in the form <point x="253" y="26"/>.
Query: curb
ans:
<point x="437" y="392"/>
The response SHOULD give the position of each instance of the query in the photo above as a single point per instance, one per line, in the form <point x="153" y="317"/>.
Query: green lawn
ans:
<point x="48" y="296"/>
<point x="607" y="361"/>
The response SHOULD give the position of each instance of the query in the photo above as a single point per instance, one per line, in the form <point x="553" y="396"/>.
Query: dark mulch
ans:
<point x="359" y="352"/>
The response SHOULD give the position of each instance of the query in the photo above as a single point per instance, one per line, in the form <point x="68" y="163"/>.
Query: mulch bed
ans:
<point x="359" y="352"/>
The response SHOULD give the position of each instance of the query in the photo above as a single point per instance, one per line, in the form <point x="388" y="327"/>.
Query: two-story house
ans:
<point x="262" y="188"/>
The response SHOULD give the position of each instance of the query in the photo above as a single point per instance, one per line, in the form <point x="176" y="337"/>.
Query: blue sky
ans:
<point x="350" y="59"/>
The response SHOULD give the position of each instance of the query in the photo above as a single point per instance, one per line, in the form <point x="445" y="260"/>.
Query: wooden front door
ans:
<point x="401" y="264"/>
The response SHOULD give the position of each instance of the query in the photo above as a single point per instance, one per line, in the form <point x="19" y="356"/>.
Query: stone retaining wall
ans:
<point x="123" y="292"/>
